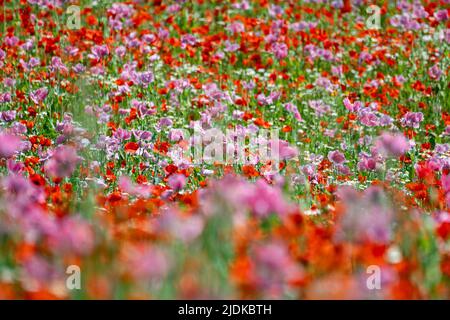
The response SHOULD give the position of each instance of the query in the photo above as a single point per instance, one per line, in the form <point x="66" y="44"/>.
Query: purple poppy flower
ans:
<point x="39" y="95"/>
<point x="386" y="120"/>
<point x="163" y="33"/>
<point x="275" y="10"/>
<point x="18" y="128"/>
<point x="352" y="107"/>
<point x="142" y="135"/>
<point x="294" y="110"/>
<point x="57" y="64"/>
<point x="274" y="268"/>
<point x="40" y="270"/>
<point x="71" y="50"/>
<point x="122" y="134"/>
<point x="447" y="130"/>
<point x="8" y="115"/>
<point x="367" y="164"/>
<point x="231" y="47"/>
<point x="11" y="41"/>
<point x="336" y="157"/>
<point x="145" y="78"/>
<point x="280" y="50"/>
<point x="441" y="15"/>
<point x="176" y="135"/>
<point x="120" y="51"/>
<point x="400" y="79"/>
<point x="263" y="199"/>
<point x="165" y="122"/>
<point x="188" y="40"/>
<point x="180" y="226"/>
<point x="148" y="38"/>
<point x="34" y="62"/>
<point x="9" y="82"/>
<point x="368" y="118"/>
<point x="99" y="52"/>
<point x="434" y="72"/>
<point x="79" y="68"/>
<point x="283" y="149"/>
<point x="5" y="97"/>
<point x="236" y="27"/>
<point x="319" y="107"/>
<point x="412" y="119"/>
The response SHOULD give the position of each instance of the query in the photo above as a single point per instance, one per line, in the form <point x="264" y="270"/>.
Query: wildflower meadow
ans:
<point x="213" y="149"/>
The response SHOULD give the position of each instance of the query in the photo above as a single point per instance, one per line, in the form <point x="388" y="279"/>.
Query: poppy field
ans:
<point x="212" y="149"/>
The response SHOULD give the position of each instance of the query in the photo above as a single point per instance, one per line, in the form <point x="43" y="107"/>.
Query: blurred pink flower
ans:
<point x="177" y="181"/>
<point x="62" y="162"/>
<point x="259" y="198"/>
<point x="368" y="216"/>
<point x="126" y="185"/>
<point x="281" y="150"/>
<point x="73" y="235"/>
<point x="275" y="268"/>
<point x="446" y="182"/>
<point x="263" y="199"/>
<point x="40" y="270"/>
<point x="186" y="228"/>
<point x="146" y="262"/>
<point x="393" y="144"/>
<point x="14" y="167"/>
<point x="139" y="190"/>
<point x="9" y="145"/>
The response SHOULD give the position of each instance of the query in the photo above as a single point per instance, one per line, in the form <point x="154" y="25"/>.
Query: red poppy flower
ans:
<point x="131" y="147"/>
